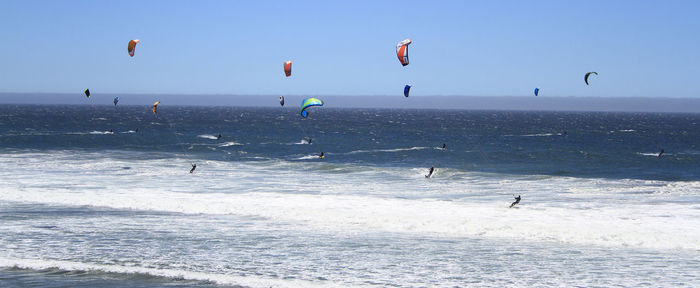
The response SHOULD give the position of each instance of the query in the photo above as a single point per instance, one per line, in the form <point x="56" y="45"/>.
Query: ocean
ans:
<point x="101" y="196"/>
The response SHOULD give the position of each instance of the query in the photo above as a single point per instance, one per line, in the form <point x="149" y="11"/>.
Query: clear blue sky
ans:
<point x="472" y="48"/>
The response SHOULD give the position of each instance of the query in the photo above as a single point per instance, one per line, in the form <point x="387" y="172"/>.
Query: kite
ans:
<point x="306" y="103"/>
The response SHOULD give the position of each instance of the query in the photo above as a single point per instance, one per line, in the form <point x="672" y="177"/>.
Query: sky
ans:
<point x="347" y="48"/>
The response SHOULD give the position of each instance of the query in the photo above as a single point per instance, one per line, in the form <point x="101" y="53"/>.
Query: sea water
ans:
<point x="98" y="196"/>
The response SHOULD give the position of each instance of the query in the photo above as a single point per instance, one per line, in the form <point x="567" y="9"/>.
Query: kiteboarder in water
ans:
<point x="306" y="104"/>
<point x="661" y="153"/>
<point x="430" y="172"/>
<point x="194" y="166"/>
<point x="517" y="200"/>
<point x="322" y="155"/>
<point x="444" y="146"/>
<point x="218" y="137"/>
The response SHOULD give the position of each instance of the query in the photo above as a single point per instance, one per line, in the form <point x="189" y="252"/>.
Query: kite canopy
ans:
<point x="288" y="68"/>
<point x="132" y="46"/>
<point x="406" y="90"/>
<point x="308" y="102"/>
<point x="154" y="109"/>
<point x="281" y="100"/>
<point x="116" y="99"/>
<point x="87" y="93"/>
<point x="585" y="78"/>
<point x="402" y="51"/>
<point x="537" y="91"/>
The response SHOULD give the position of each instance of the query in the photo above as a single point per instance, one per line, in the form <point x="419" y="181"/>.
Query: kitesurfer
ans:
<point x="194" y="166"/>
<point x="430" y="172"/>
<point x="661" y="153"/>
<point x="321" y="156"/>
<point x="137" y="130"/>
<point x="517" y="200"/>
<point x="218" y="137"/>
<point x="444" y="146"/>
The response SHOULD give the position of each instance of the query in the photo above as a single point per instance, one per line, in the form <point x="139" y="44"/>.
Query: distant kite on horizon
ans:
<point x="87" y="93"/>
<point x="155" y="108"/>
<point x="537" y="91"/>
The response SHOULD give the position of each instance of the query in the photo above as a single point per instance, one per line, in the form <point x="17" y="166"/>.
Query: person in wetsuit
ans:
<point x="194" y="166"/>
<point x="322" y="155"/>
<point x="444" y="146"/>
<point x="430" y="172"/>
<point x="517" y="200"/>
<point x="218" y="137"/>
<point x="661" y="153"/>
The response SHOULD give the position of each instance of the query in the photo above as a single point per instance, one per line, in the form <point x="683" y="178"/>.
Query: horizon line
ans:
<point x="350" y="95"/>
<point x="450" y="102"/>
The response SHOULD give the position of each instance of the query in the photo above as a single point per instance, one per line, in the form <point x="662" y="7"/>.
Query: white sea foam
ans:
<point x="227" y="144"/>
<point x="301" y="142"/>
<point x="662" y="229"/>
<point x="207" y="136"/>
<point x="101" y="132"/>
<point x="656" y="154"/>
<point x="387" y="150"/>
<point x="534" y="135"/>
<point x="306" y="157"/>
<point x="223" y="279"/>
<point x="562" y="209"/>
